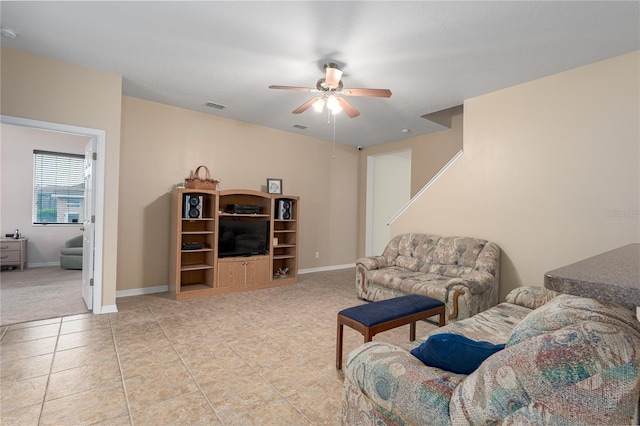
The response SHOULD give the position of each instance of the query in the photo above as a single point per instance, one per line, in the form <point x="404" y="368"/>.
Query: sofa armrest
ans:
<point x="394" y="381"/>
<point x="530" y="297"/>
<point x="374" y="262"/>
<point x="474" y="282"/>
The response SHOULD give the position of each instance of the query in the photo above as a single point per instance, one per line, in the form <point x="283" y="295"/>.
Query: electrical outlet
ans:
<point x="317" y="255"/>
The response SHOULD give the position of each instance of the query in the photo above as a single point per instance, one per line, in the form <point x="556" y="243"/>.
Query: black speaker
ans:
<point x="284" y="210"/>
<point x="192" y="206"/>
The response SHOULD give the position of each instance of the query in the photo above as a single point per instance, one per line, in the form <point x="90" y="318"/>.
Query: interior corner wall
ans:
<point x="550" y="171"/>
<point x="38" y="88"/>
<point x="162" y="144"/>
<point x="429" y="154"/>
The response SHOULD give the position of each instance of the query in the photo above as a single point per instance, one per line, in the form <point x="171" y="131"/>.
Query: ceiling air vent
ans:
<point x="215" y="105"/>
<point x="300" y="126"/>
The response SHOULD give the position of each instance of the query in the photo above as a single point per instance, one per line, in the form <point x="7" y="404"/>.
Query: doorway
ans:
<point x="97" y="138"/>
<point x="388" y="191"/>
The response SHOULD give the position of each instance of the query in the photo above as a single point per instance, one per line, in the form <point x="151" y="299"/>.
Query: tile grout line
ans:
<point x="53" y="359"/>
<point x="124" y="386"/>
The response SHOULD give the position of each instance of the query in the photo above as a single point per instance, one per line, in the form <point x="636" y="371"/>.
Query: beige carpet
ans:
<point x="40" y="293"/>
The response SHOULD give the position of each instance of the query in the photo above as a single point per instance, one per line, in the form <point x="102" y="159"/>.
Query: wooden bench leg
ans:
<point x="339" y="345"/>
<point x="412" y="331"/>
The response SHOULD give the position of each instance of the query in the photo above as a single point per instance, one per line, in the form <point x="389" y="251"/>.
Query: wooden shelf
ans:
<point x="195" y="267"/>
<point x="243" y="215"/>
<point x="284" y="246"/>
<point x="197" y="250"/>
<point x="195" y="287"/>
<point x="284" y="256"/>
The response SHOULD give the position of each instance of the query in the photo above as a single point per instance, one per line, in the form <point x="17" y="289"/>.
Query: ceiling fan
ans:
<point x="329" y="86"/>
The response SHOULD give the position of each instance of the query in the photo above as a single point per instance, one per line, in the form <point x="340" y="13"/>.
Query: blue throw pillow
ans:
<point x="455" y="353"/>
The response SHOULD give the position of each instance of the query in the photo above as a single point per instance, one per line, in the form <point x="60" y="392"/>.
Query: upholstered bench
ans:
<point x="375" y="317"/>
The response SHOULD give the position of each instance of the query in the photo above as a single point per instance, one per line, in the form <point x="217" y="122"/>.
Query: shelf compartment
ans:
<point x="198" y="226"/>
<point x="191" y="258"/>
<point x="196" y="279"/>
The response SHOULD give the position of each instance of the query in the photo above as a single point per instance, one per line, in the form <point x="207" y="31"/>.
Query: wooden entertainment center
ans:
<point x="200" y="266"/>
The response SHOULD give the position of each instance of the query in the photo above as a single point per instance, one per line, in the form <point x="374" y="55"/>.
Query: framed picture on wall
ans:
<point x="274" y="186"/>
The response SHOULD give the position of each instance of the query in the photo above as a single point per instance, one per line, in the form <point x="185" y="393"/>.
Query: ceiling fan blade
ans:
<point x="304" y="89"/>
<point x="305" y="106"/>
<point x="348" y="108"/>
<point x="379" y="93"/>
<point x="333" y="76"/>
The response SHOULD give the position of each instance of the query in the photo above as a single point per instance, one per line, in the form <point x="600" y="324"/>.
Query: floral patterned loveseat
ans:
<point x="571" y="361"/>
<point x="461" y="272"/>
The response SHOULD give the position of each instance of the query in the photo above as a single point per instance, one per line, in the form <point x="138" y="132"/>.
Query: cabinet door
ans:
<point x="231" y="272"/>
<point x="257" y="271"/>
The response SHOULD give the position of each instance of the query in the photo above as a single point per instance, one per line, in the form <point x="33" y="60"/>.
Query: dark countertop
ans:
<point x="613" y="276"/>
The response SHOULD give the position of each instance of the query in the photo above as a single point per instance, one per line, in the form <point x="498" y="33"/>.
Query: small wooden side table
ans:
<point x="13" y="252"/>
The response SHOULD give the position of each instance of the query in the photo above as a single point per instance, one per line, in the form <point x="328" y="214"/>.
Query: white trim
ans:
<point x="368" y="234"/>
<point x="98" y="137"/>
<point x="108" y="309"/>
<point x="143" y="290"/>
<point x="326" y="268"/>
<point x="424" y="188"/>
<point x="42" y="264"/>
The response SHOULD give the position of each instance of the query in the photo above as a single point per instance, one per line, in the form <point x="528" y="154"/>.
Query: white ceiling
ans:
<point x="432" y="55"/>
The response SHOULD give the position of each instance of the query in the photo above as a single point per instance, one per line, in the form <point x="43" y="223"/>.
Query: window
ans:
<point x="58" y="188"/>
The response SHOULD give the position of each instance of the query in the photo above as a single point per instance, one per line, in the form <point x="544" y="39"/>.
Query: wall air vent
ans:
<point x="300" y="126"/>
<point x="215" y="105"/>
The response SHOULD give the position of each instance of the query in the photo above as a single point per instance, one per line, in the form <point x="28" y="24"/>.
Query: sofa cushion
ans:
<point x="455" y="353"/>
<point x="457" y="251"/>
<point x="493" y="325"/>
<point x="565" y="310"/>
<point x="530" y="297"/>
<point x="554" y="374"/>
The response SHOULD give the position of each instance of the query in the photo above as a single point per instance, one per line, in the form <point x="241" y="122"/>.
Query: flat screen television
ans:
<point x="242" y="237"/>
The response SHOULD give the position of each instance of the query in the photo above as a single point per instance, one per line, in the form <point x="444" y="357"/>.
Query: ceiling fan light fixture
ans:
<point x="333" y="103"/>
<point x="318" y="105"/>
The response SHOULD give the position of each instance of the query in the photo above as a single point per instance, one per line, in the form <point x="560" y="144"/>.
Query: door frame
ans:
<point x="98" y="138"/>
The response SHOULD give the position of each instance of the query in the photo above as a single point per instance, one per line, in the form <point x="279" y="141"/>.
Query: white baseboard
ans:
<point x="326" y="268"/>
<point x="42" y="264"/>
<point x="165" y="288"/>
<point x="143" y="290"/>
<point x="109" y="309"/>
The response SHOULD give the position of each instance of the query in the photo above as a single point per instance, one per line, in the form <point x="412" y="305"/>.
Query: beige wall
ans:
<point x="429" y="154"/>
<point x="549" y="171"/>
<point x="16" y="189"/>
<point x="48" y="90"/>
<point x="162" y="144"/>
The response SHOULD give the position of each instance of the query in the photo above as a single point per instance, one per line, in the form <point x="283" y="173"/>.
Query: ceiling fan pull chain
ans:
<point x="334" y="137"/>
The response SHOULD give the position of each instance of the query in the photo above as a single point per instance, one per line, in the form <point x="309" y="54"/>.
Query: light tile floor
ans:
<point x="260" y="357"/>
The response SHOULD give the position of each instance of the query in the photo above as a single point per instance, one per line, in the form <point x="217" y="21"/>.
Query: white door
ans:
<point x="388" y="191"/>
<point x="88" y="228"/>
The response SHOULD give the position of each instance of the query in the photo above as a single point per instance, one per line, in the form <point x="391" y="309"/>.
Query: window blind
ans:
<point x="58" y="187"/>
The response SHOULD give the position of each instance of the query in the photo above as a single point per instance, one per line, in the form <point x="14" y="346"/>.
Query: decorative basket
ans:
<point x="196" y="182"/>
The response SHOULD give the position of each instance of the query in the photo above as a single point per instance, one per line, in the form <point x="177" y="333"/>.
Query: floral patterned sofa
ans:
<point x="571" y="360"/>
<point x="461" y="272"/>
